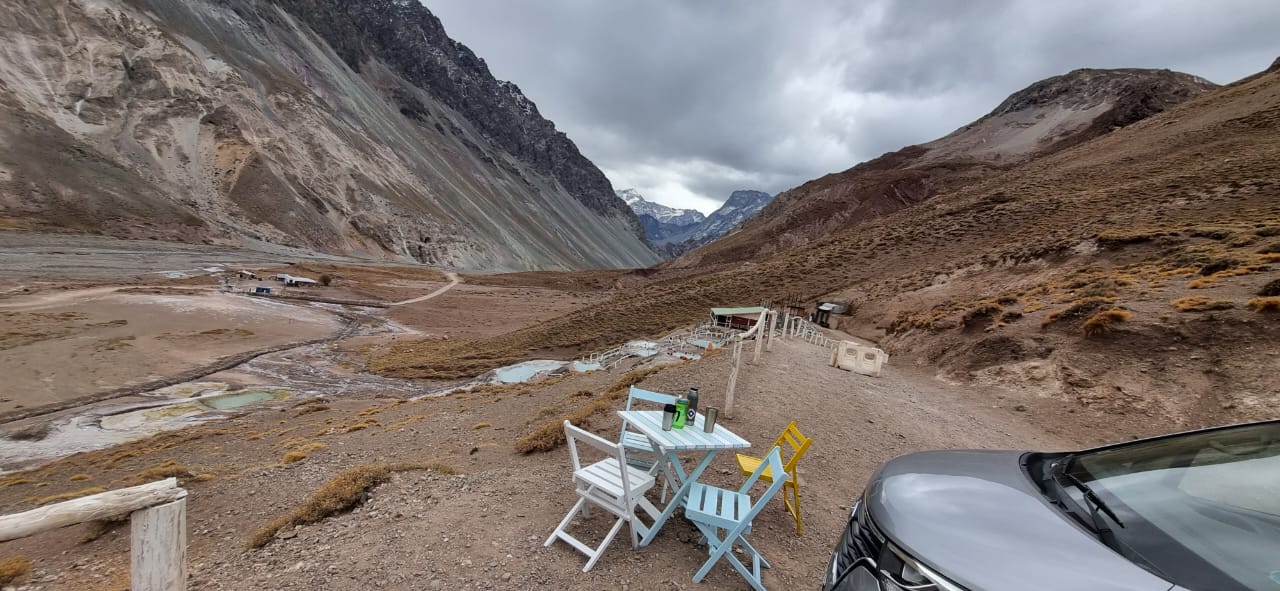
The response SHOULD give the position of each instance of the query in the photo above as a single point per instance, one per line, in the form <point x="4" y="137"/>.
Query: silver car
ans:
<point x="1193" y="511"/>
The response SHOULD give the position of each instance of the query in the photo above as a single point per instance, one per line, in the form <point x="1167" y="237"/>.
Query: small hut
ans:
<point x="736" y="318"/>
<point x="822" y="316"/>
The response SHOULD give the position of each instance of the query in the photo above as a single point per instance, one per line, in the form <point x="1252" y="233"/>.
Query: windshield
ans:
<point x="1202" y="509"/>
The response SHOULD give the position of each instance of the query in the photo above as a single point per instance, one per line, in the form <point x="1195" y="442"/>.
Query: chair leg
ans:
<point x="599" y="551"/>
<point x="593" y="554"/>
<point x="794" y="507"/>
<point x="565" y="522"/>
<point x="752" y="549"/>
<point x="724" y="549"/>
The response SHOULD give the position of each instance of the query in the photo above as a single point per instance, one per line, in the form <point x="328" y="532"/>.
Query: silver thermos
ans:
<point x="693" y="404"/>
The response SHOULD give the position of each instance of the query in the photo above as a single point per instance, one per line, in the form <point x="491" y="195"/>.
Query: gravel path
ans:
<point x="453" y="280"/>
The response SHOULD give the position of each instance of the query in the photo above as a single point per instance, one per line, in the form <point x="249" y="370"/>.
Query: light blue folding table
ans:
<point x="676" y="441"/>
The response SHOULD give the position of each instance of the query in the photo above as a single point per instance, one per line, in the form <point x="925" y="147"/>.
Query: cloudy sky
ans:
<point x="687" y="100"/>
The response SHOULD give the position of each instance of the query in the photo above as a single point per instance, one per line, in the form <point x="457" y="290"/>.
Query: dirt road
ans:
<point x="453" y="280"/>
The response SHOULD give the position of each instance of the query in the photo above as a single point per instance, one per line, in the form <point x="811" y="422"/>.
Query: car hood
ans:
<point x="976" y="518"/>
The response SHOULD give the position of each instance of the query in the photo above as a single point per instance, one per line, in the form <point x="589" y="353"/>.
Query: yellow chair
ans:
<point x="793" y="438"/>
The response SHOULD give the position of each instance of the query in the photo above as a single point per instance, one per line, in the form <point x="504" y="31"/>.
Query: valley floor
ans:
<point x="480" y="519"/>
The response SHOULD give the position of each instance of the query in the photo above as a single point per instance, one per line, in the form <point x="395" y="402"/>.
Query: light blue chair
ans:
<point x="637" y="442"/>
<point x="714" y="509"/>
<point x="640" y="452"/>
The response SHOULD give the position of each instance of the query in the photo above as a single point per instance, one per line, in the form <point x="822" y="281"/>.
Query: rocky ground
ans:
<point x="484" y="527"/>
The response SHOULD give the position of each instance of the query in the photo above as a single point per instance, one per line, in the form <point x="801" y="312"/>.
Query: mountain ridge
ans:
<point x="673" y="233"/>
<point x="1041" y="119"/>
<point x="235" y="122"/>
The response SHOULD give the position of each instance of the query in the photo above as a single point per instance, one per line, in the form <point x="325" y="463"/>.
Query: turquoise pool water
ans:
<point x="244" y="398"/>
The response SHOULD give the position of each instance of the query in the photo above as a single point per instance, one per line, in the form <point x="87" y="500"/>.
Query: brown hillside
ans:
<point x="1044" y="118"/>
<point x="971" y="279"/>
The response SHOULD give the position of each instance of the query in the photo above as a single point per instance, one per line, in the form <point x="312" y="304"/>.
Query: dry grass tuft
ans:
<point x="1201" y="304"/>
<point x="478" y="426"/>
<point x="361" y="426"/>
<point x="1077" y="309"/>
<point x="9" y="481"/>
<point x="1269" y="305"/>
<point x="75" y="477"/>
<point x="13" y="568"/>
<point x="310" y="408"/>
<point x="67" y="496"/>
<point x="550" y="435"/>
<point x="293" y="456"/>
<point x="1102" y="322"/>
<point x="168" y="469"/>
<point x="346" y="490"/>
<point x="1111" y="239"/>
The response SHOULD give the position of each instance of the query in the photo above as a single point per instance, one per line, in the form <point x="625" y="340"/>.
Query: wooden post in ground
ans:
<point x="159" y="548"/>
<point x="773" y="320"/>
<point x="760" y="325"/>
<point x="735" y="357"/>
<point x="159" y="535"/>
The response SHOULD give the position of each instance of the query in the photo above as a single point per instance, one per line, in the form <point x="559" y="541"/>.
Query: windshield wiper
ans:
<point x="1093" y="499"/>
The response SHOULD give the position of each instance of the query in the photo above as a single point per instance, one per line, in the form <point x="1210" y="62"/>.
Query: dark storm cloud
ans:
<point x="689" y="100"/>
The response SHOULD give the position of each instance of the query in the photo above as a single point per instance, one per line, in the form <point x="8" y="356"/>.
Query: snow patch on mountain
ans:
<point x="658" y="211"/>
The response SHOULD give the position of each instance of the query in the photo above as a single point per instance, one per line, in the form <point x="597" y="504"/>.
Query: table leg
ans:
<point x="672" y="462"/>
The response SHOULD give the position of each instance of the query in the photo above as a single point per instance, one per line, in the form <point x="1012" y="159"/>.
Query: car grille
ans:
<point x="860" y="539"/>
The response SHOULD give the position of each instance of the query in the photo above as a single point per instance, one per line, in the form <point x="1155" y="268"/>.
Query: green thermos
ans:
<point x="682" y="407"/>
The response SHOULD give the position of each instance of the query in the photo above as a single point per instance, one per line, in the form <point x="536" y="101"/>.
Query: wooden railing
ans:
<point x="158" y="516"/>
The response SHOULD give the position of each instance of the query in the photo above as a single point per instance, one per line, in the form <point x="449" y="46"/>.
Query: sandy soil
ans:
<point x="484" y="528"/>
<point x="71" y="344"/>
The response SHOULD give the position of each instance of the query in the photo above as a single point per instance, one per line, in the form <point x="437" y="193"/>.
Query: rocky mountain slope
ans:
<point x="1134" y="273"/>
<point x="353" y="128"/>
<point x="1039" y="120"/>
<point x="738" y="208"/>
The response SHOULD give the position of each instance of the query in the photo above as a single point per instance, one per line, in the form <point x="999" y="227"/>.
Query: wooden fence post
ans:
<point x="734" y="359"/>
<point x="760" y="325"/>
<point x="773" y="320"/>
<point x="159" y="548"/>
<point x="158" y="511"/>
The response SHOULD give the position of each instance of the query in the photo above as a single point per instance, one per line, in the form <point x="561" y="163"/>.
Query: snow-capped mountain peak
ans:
<point x="658" y="211"/>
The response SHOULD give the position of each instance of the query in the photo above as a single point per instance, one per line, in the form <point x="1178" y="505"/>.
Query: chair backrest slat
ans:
<point x="609" y="448"/>
<point x="773" y="463"/>
<point x="796" y="441"/>
<point x="647" y="396"/>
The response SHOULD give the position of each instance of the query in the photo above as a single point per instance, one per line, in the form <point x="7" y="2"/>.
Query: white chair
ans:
<point x="611" y="484"/>
<point x="713" y="509"/>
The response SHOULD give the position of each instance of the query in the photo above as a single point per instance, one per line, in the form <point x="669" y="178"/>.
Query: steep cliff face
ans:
<point x="1042" y="119"/>
<point x="341" y="128"/>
